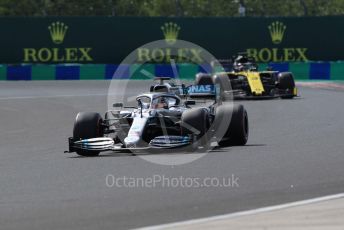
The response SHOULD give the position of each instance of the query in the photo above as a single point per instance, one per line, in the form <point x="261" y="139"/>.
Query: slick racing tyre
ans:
<point x="219" y="80"/>
<point x="195" y="121"/>
<point x="87" y="125"/>
<point x="238" y="129"/>
<point x="223" y="84"/>
<point x="286" y="83"/>
<point x="203" y="79"/>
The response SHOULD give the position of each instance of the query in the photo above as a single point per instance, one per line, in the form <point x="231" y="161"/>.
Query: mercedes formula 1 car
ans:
<point x="249" y="83"/>
<point x="161" y="120"/>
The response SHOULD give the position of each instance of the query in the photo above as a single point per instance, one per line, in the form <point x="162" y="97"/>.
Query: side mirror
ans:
<point x="190" y="102"/>
<point x="116" y="105"/>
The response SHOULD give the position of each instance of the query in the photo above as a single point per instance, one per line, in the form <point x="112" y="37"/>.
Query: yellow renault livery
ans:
<point x="249" y="83"/>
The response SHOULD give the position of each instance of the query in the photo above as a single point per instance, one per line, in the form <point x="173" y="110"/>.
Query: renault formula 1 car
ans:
<point x="161" y="120"/>
<point x="249" y="83"/>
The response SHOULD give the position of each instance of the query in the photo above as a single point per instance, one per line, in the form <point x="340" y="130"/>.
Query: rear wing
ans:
<point x="202" y="92"/>
<point x="192" y="91"/>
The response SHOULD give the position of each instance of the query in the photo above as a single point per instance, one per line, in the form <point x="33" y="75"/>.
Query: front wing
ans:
<point x="103" y="144"/>
<point x="247" y="94"/>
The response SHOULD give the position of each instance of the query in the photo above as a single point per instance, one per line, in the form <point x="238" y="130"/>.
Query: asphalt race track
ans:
<point x="295" y="151"/>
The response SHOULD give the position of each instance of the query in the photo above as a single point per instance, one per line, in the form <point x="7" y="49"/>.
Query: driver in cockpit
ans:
<point x="161" y="103"/>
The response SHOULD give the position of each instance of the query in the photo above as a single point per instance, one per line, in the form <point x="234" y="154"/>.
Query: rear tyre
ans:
<point x="223" y="84"/>
<point x="203" y="79"/>
<point x="238" y="129"/>
<point x="287" y="84"/>
<point x="87" y="125"/>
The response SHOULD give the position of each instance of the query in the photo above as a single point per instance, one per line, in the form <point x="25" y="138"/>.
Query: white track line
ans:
<point x="245" y="213"/>
<point x="321" y="85"/>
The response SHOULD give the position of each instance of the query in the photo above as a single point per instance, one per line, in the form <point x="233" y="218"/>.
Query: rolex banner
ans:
<point x="110" y="39"/>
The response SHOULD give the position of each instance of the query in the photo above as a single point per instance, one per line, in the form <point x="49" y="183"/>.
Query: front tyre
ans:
<point x="87" y="125"/>
<point x="196" y="121"/>
<point x="238" y="129"/>
<point x="286" y="83"/>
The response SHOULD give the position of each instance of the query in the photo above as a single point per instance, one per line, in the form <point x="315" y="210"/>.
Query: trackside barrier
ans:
<point x="27" y="72"/>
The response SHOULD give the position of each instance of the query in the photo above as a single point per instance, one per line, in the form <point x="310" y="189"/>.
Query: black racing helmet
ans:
<point x="244" y="63"/>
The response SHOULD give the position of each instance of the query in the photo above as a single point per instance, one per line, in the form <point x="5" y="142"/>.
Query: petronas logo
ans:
<point x="277" y="30"/>
<point x="170" y="31"/>
<point x="58" y="32"/>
